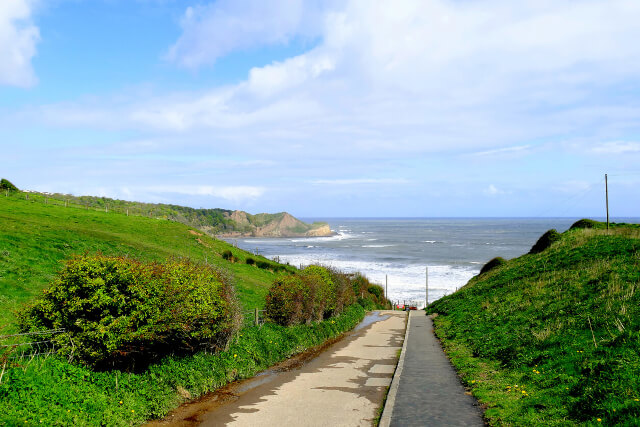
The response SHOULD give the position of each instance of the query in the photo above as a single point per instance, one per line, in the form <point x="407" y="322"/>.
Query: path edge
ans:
<point x="385" y="419"/>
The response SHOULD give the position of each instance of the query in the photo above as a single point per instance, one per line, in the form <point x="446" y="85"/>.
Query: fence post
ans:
<point x="257" y="317"/>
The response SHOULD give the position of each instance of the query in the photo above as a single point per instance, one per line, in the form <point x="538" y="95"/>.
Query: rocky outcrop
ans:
<point x="274" y="225"/>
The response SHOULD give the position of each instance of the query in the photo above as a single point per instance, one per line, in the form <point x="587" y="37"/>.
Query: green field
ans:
<point x="35" y="237"/>
<point x="553" y="338"/>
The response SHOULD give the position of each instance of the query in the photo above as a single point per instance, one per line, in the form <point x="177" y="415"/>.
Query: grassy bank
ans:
<point x="54" y="392"/>
<point x="36" y="237"/>
<point x="553" y="338"/>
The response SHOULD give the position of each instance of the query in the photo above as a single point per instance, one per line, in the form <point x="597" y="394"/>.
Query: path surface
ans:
<point x="343" y="386"/>
<point x="427" y="391"/>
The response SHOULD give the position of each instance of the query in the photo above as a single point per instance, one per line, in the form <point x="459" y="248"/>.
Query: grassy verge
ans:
<point x="53" y="392"/>
<point x="552" y="338"/>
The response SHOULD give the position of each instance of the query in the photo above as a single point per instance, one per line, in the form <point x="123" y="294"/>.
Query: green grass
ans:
<point x="553" y="338"/>
<point x="36" y="237"/>
<point x="53" y="392"/>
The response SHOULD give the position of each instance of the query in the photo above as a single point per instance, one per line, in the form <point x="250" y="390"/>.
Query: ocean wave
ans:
<point x="340" y="236"/>
<point x="377" y="246"/>
<point x="406" y="281"/>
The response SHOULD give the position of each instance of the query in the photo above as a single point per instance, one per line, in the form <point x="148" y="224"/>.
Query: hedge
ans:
<point x="118" y="312"/>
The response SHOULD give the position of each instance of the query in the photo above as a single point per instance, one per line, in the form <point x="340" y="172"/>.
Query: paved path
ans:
<point x="427" y="391"/>
<point x="343" y="386"/>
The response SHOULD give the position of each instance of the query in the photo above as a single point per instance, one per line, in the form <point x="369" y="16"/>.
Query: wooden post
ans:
<point x="606" y="190"/>
<point x="257" y="317"/>
<point x="127" y="211"/>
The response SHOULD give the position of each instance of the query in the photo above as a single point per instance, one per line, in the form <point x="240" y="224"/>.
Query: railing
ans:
<point x="28" y="344"/>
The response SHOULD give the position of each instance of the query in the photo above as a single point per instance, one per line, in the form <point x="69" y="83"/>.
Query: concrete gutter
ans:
<point x="385" y="420"/>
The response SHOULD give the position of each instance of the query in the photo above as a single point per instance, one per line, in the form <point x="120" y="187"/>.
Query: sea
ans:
<point x="409" y="255"/>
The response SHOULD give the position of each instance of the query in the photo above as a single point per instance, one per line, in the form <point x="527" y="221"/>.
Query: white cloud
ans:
<point x="521" y="149"/>
<point x="617" y="147"/>
<point x="230" y="193"/>
<point x="357" y="181"/>
<point x="574" y="187"/>
<point x="391" y="78"/>
<point x="492" y="190"/>
<point x="18" y="39"/>
<point x="214" y="30"/>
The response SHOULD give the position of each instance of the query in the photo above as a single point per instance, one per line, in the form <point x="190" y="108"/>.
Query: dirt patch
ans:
<point x="195" y="233"/>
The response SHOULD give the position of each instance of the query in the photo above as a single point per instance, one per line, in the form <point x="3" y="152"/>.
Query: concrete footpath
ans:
<point x="343" y="385"/>
<point x="426" y="390"/>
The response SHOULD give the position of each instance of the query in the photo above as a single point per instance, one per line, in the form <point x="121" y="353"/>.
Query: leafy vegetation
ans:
<point x="552" y="338"/>
<point x="318" y="293"/>
<point x="52" y="391"/>
<point x="493" y="263"/>
<point x="545" y="241"/>
<point x="116" y="311"/>
<point x="7" y="185"/>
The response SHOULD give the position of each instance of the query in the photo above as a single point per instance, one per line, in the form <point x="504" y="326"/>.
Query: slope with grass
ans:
<point x="553" y="337"/>
<point x="36" y="237"/>
<point x="215" y="222"/>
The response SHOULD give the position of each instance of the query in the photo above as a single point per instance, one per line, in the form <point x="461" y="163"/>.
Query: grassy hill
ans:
<point x="214" y="222"/>
<point x="35" y="237"/>
<point x="553" y="338"/>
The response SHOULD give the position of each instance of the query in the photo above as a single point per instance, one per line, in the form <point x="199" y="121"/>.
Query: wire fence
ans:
<point x="29" y="344"/>
<point x="254" y="317"/>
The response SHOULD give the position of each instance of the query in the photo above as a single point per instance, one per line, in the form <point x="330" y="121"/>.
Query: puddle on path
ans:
<point x="189" y="413"/>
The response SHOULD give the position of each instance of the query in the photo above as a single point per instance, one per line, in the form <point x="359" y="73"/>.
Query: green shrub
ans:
<point x="289" y="301"/>
<point x="118" y="312"/>
<point x="545" y="241"/>
<point x="586" y="223"/>
<point x="325" y="290"/>
<point x="7" y="185"/>
<point x="494" y="263"/>
<point x="263" y="264"/>
<point x="228" y="255"/>
<point x="250" y="261"/>
<point x="319" y="293"/>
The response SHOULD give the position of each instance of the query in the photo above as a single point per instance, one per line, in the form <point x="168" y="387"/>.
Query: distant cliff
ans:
<point x="273" y="225"/>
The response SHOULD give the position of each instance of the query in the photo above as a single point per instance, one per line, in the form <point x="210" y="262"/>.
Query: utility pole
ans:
<point x="606" y="189"/>
<point x="426" y="282"/>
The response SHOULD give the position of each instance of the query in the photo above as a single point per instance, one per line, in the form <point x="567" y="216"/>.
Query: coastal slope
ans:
<point x="551" y="337"/>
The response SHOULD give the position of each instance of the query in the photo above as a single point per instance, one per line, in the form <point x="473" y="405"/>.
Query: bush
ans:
<point x="325" y="290"/>
<point x="228" y="255"/>
<point x="586" y="223"/>
<point x="122" y="313"/>
<point x="319" y="293"/>
<point x="250" y="261"/>
<point x="545" y="241"/>
<point x="289" y="301"/>
<point x="263" y="264"/>
<point x="494" y="263"/>
<point x="7" y="185"/>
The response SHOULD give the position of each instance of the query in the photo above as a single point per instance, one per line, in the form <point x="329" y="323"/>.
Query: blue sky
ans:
<point x="326" y="108"/>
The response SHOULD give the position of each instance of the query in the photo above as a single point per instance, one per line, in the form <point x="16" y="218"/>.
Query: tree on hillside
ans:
<point x="5" y="184"/>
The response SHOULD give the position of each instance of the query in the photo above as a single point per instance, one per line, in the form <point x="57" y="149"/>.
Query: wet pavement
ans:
<point x="342" y="384"/>
<point x="428" y="391"/>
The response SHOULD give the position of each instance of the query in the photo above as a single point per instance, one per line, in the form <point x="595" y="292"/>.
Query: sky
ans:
<point x="327" y="108"/>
